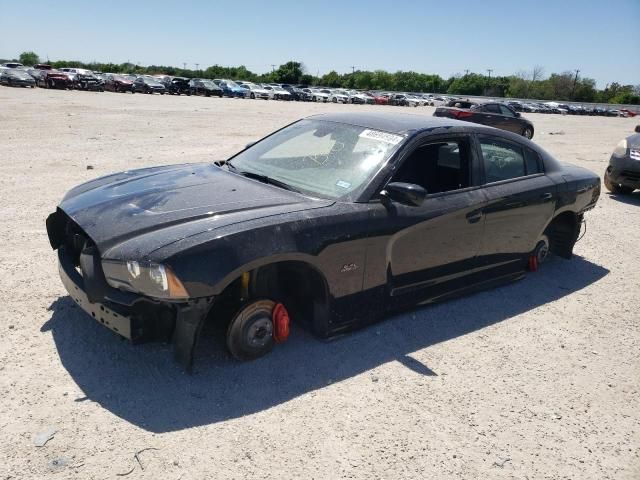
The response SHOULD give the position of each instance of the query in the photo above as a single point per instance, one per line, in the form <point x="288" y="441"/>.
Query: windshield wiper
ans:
<point x="266" y="179"/>
<point x="260" y="177"/>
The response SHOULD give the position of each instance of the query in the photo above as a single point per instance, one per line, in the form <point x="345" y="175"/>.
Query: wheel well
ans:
<point x="563" y="232"/>
<point x="298" y="285"/>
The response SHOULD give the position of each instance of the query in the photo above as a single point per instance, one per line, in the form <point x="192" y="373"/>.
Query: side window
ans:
<point x="532" y="161"/>
<point x="505" y="111"/>
<point x="438" y="167"/>
<point x="491" y="108"/>
<point x="502" y="160"/>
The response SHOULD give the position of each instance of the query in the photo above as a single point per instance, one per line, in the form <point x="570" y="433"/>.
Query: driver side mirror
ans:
<point x="405" y="193"/>
<point x="517" y="114"/>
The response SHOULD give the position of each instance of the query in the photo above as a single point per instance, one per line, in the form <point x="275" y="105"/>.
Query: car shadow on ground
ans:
<point x="631" y="198"/>
<point x="142" y="384"/>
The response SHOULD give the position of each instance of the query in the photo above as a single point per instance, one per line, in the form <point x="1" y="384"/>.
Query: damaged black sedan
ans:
<point x="331" y="222"/>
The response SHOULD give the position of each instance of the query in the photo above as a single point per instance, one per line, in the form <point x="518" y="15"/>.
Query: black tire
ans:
<point x="250" y="333"/>
<point x="335" y="100"/>
<point x="615" y="187"/>
<point x="253" y="96"/>
<point x="527" y="132"/>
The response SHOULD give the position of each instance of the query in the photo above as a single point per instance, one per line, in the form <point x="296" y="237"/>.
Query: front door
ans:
<point x="415" y="251"/>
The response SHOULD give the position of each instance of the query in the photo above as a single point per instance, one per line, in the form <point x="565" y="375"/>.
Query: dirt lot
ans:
<point x="539" y="379"/>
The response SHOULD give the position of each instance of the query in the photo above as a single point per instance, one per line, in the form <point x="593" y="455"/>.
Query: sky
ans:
<point x="600" y="38"/>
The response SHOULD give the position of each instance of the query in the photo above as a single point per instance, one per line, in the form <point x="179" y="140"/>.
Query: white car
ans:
<point x="339" y="96"/>
<point x="256" y="91"/>
<point x="320" y="95"/>
<point x="418" y="98"/>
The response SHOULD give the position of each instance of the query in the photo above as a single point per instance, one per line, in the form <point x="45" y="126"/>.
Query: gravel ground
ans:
<point x="538" y="379"/>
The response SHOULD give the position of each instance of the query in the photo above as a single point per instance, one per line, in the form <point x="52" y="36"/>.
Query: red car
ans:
<point x="380" y="99"/>
<point x="54" y="79"/>
<point x="628" y="113"/>
<point x="117" y="83"/>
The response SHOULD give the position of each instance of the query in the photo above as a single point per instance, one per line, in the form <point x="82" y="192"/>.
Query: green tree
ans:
<point x="29" y="58"/>
<point x="290" y="72"/>
<point x="331" y="79"/>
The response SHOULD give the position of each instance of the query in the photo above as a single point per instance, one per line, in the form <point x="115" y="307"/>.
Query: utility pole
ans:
<point x="466" y="72"/>
<point x="353" y="69"/>
<point x="575" y="80"/>
<point x="489" y="70"/>
<point x="197" y="66"/>
<point x="184" y="65"/>
<point x="273" y="67"/>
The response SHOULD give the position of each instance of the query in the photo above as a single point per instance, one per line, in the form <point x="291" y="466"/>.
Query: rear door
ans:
<point x="509" y="120"/>
<point x="521" y="199"/>
<point x="488" y="114"/>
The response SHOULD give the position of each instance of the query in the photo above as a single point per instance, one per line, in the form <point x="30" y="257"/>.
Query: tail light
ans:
<point x="462" y="113"/>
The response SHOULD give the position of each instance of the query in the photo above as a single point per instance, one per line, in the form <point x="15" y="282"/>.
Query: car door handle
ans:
<point x="474" y="217"/>
<point x="546" y="196"/>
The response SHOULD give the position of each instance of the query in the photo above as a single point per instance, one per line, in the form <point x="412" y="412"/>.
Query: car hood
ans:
<point x="165" y="204"/>
<point x="633" y="141"/>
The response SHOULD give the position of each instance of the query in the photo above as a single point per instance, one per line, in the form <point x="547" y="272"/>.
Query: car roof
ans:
<point x="399" y="123"/>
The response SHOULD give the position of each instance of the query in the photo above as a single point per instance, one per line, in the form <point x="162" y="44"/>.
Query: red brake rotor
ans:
<point x="280" y="318"/>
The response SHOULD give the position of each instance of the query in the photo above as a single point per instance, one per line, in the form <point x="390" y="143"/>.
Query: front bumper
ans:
<point x="23" y="83"/>
<point x="134" y="317"/>
<point x="624" y="171"/>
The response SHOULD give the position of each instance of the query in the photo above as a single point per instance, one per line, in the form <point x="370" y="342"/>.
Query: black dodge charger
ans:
<point x="332" y="222"/>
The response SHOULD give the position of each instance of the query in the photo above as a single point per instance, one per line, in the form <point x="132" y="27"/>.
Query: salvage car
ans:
<point x="333" y="221"/>
<point x="118" y="83"/>
<point x="54" y="79"/>
<point x="203" y="86"/>
<point x="623" y="173"/>
<point x="177" y="85"/>
<point x="148" y="85"/>
<point x="14" y="77"/>
<point x="493" y="114"/>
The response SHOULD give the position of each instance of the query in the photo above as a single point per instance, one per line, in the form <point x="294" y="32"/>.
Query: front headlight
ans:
<point x="152" y="279"/>
<point x="621" y="148"/>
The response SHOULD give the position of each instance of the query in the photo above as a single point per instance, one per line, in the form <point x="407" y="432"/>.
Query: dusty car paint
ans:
<point x="343" y="263"/>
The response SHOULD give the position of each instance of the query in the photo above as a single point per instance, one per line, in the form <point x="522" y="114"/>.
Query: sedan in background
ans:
<point x="14" y="77"/>
<point x="230" y="88"/>
<point x="493" y="114"/>
<point x="177" y="85"/>
<point x="203" y="86"/>
<point x="118" y="83"/>
<point x="339" y="96"/>
<point x="256" y="91"/>
<point x="148" y="85"/>
<point x="623" y="173"/>
<point x="320" y="95"/>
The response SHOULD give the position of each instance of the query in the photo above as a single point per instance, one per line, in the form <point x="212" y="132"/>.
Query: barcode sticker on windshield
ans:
<point x="381" y="136"/>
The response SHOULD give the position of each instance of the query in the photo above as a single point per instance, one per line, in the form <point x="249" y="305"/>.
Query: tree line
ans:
<point x="565" y="86"/>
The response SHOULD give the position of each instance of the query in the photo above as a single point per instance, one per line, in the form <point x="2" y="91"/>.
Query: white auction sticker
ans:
<point x="382" y="136"/>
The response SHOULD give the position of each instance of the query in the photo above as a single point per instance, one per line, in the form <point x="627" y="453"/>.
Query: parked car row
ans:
<point x="45" y="76"/>
<point x="566" y="109"/>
